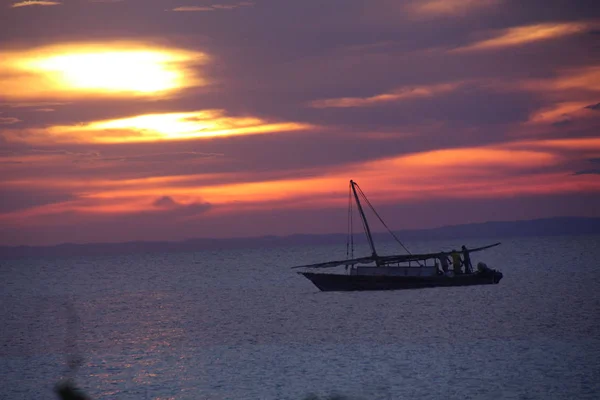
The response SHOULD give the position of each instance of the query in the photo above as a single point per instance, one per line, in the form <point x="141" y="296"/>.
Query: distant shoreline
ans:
<point x="557" y="226"/>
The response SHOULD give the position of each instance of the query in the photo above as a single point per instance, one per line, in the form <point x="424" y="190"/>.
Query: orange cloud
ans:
<point x="35" y="3"/>
<point x="585" y="79"/>
<point x="97" y="69"/>
<point x="156" y="127"/>
<point x="193" y="8"/>
<point x="510" y="169"/>
<point x="400" y="94"/>
<point x="213" y="7"/>
<point x="591" y="144"/>
<point x="9" y="120"/>
<point x="567" y="96"/>
<point x="474" y="157"/>
<point x="520" y="35"/>
<point x="32" y="104"/>
<point x="558" y="112"/>
<point x="465" y="172"/>
<point x="461" y="172"/>
<point x="95" y="187"/>
<point x="440" y="8"/>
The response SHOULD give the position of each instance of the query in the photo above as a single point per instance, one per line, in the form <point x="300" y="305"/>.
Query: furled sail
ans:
<point x="331" y="264"/>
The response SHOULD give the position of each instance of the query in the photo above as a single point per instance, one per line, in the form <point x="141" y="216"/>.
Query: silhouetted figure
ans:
<point x="467" y="260"/>
<point x="456" y="261"/>
<point x="444" y="262"/>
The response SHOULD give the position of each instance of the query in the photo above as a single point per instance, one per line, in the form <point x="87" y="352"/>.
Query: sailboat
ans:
<point x="393" y="272"/>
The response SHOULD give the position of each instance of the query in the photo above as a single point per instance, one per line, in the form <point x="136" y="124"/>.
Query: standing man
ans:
<point x="456" y="261"/>
<point x="444" y="262"/>
<point x="467" y="260"/>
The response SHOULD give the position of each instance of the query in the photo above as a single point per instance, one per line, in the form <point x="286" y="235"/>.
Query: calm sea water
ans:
<point x="239" y="324"/>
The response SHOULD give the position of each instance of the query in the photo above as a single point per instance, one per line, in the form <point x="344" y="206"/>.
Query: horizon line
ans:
<point x="233" y="238"/>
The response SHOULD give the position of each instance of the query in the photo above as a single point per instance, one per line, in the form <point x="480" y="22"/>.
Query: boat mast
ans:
<point x="365" y="223"/>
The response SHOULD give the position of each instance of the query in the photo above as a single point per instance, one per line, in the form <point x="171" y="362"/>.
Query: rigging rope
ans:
<point x="380" y="219"/>
<point x="365" y="229"/>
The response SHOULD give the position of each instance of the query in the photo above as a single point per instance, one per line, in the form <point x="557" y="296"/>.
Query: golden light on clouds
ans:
<point x="583" y="79"/>
<point x="97" y="69"/>
<point x="192" y="9"/>
<point x="168" y="126"/>
<point x="557" y="112"/>
<point x="590" y="144"/>
<point x="475" y="157"/>
<point x="9" y="120"/>
<point x="442" y="173"/>
<point x="520" y="35"/>
<point x="400" y="94"/>
<point x="508" y="169"/>
<point x="568" y="96"/>
<point x="437" y="8"/>
<point x="423" y="174"/>
<point x="35" y="3"/>
<point x="213" y="7"/>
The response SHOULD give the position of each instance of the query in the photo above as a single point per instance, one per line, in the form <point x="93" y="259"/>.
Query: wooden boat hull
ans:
<point x="339" y="282"/>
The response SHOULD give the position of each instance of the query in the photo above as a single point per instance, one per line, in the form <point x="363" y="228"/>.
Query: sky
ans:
<point x="127" y="120"/>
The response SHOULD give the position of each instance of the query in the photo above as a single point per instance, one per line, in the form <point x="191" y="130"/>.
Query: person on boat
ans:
<point x="444" y="262"/>
<point x="467" y="260"/>
<point x="456" y="262"/>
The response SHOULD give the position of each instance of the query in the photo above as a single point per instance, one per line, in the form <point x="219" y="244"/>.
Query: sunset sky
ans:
<point x="171" y="119"/>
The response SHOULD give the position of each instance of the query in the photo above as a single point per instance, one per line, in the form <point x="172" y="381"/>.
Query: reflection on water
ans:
<point x="241" y="325"/>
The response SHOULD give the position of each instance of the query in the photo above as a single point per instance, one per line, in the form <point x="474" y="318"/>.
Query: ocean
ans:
<point x="240" y="324"/>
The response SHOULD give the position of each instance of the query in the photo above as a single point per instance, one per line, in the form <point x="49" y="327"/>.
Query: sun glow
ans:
<point x="97" y="69"/>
